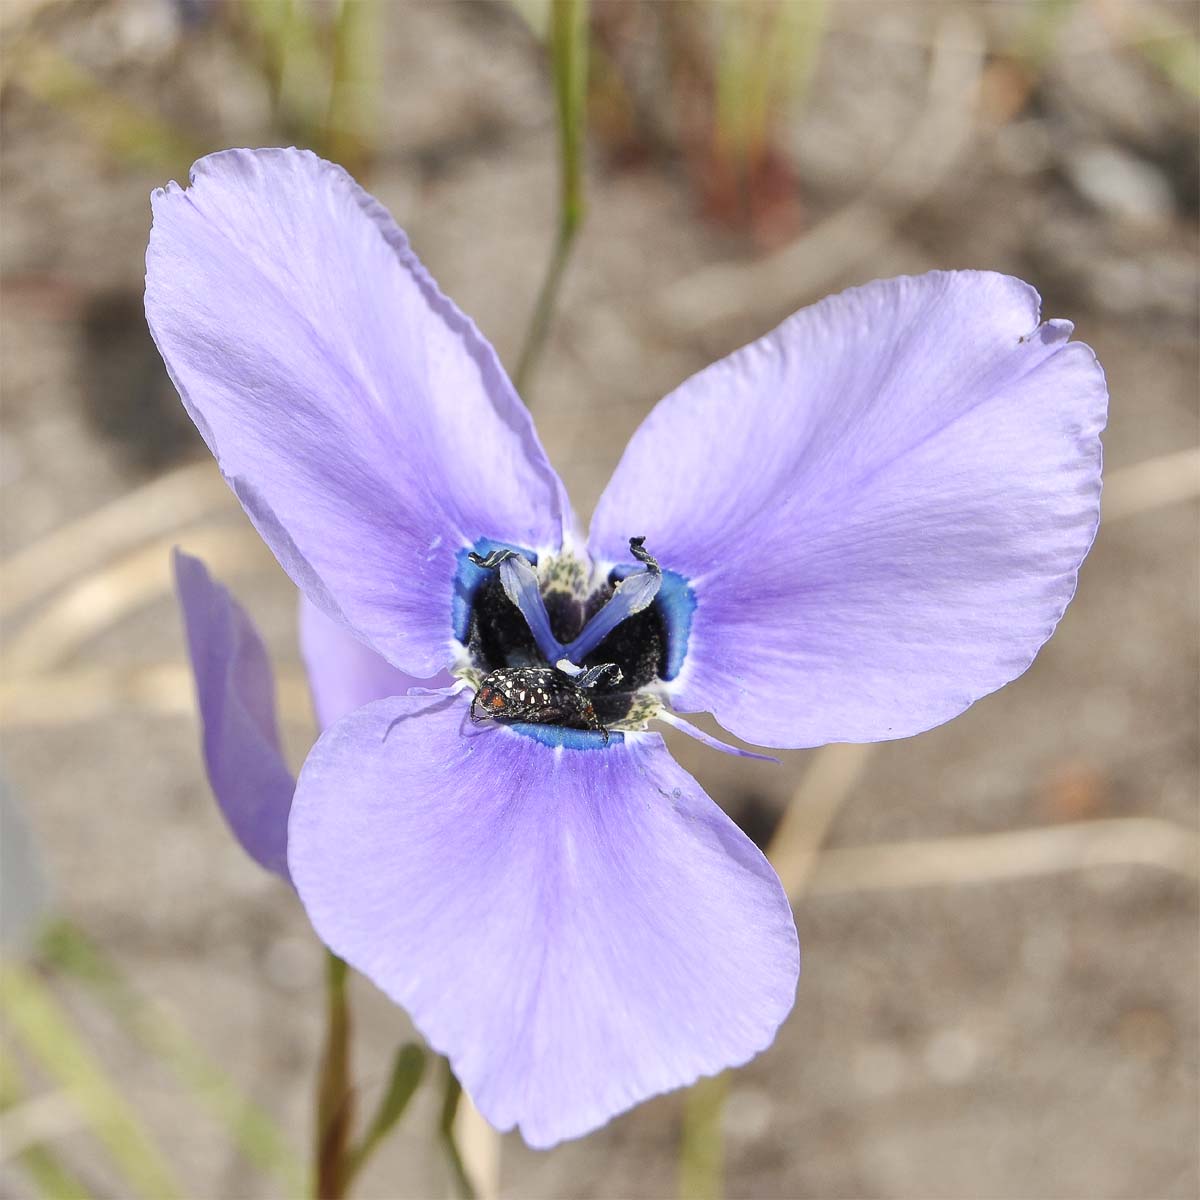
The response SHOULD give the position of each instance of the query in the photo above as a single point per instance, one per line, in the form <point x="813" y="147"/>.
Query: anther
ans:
<point x="633" y="594"/>
<point x="520" y="583"/>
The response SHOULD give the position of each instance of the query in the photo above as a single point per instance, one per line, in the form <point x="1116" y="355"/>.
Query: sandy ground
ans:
<point x="1029" y="1037"/>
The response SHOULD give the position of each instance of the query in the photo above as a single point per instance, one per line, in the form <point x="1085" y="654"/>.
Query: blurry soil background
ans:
<point x="1008" y="1014"/>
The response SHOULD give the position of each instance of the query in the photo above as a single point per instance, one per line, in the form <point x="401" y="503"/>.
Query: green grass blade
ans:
<point x="408" y="1067"/>
<point x="349" y="135"/>
<point x="39" y="1024"/>
<point x="48" y="1175"/>
<point x="1170" y="47"/>
<point x="121" y="127"/>
<point x="156" y="1031"/>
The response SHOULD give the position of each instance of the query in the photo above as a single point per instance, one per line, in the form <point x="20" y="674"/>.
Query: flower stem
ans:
<point x="569" y="59"/>
<point x="335" y="1098"/>
<point x="701" y="1151"/>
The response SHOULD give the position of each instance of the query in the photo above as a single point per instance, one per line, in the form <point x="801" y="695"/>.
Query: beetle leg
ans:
<point x="594" y="722"/>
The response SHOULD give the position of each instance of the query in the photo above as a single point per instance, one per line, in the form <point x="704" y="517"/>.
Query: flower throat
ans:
<point x="612" y="640"/>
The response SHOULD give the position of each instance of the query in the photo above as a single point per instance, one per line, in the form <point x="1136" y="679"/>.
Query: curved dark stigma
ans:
<point x="492" y="560"/>
<point x="637" y="549"/>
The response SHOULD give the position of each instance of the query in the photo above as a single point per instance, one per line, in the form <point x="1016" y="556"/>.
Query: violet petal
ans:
<point x="366" y="423"/>
<point x="577" y="929"/>
<point x="881" y="507"/>
<point x="235" y="688"/>
<point x="344" y="673"/>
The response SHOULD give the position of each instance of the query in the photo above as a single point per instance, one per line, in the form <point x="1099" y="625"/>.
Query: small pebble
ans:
<point x="748" y="1114"/>
<point x="292" y="964"/>
<point x="878" y="1069"/>
<point x="1122" y="186"/>
<point x="952" y="1056"/>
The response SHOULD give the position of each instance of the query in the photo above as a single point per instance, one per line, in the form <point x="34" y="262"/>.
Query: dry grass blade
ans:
<point x="42" y="1164"/>
<point x="99" y="600"/>
<point x="831" y="777"/>
<point x="94" y="693"/>
<point x="170" y="502"/>
<point x="1156" y="483"/>
<point x="1014" y="854"/>
<point x="41" y="1119"/>
<point x="479" y="1145"/>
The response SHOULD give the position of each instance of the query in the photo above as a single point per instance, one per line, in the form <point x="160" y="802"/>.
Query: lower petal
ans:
<point x="577" y="929"/>
<point x="235" y="689"/>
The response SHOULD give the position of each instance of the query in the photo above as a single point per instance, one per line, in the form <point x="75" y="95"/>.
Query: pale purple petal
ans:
<point x="881" y="507"/>
<point x="577" y="929"/>
<point x="235" y="689"/>
<point x="343" y="672"/>
<point x="364" y="422"/>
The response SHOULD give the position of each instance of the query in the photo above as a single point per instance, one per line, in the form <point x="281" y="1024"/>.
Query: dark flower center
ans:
<point x="497" y="636"/>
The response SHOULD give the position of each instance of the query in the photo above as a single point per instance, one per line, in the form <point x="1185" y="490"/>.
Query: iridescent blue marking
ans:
<point x="676" y="603"/>
<point x="468" y="578"/>
<point x="570" y="739"/>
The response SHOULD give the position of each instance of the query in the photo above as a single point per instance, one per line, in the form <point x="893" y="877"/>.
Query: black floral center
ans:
<point x="498" y="636"/>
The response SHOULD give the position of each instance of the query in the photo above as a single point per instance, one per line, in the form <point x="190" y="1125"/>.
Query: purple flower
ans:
<point x="854" y="528"/>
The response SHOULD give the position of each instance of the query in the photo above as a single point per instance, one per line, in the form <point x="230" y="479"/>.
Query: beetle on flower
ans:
<point x="849" y="530"/>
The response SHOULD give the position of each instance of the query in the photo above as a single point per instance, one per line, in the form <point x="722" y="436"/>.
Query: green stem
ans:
<point x="701" y="1151"/>
<point x="569" y="59"/>
<point x="335" y="1099"/>
<point x="354" y="77"/>
<point x="539" y="324"/>
<point x="407" y="1069"/>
